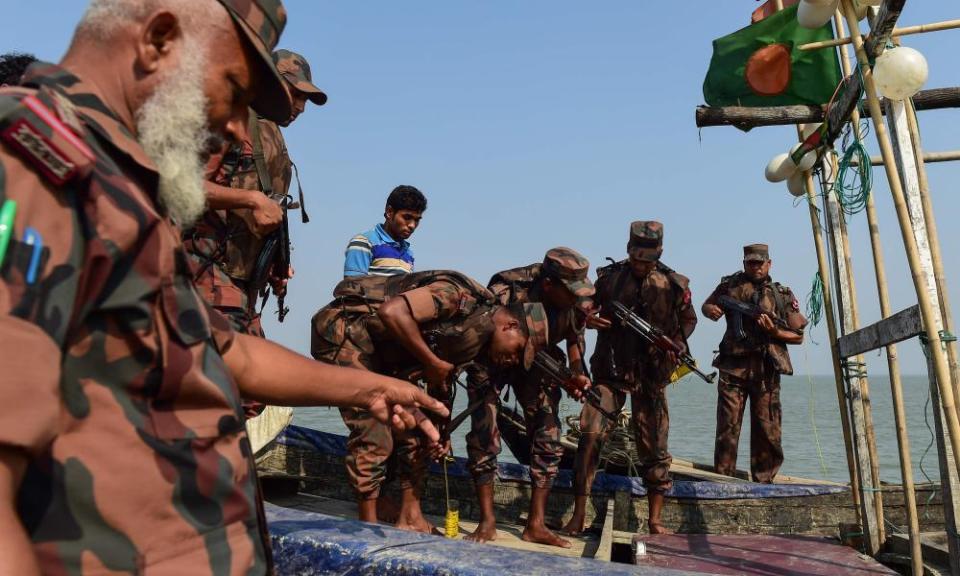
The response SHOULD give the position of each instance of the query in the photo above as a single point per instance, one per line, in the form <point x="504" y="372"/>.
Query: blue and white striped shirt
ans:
<point x="375" y="252"/>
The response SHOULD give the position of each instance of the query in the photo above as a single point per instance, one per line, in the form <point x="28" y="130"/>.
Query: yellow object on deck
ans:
<point x="452" y="520"/>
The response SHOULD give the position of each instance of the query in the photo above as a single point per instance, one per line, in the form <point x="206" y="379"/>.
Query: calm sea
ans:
<point x="812" y="439"/>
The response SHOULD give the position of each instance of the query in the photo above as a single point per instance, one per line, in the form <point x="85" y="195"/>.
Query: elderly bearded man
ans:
<point x="122" y="446"/>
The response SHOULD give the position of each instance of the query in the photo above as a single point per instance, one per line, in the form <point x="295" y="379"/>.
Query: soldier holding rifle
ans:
<point x="763" y="317"/>
<point x="625" y="362"/>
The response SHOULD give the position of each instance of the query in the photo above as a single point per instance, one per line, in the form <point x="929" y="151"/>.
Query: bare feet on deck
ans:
<point x="387" y="510"/>
<point x="574" y="527"/>
<point x="485" y="532"/>
<point x="542" y="535"/>
<point x="657" y="528"/>
<point x="421" y="525"/>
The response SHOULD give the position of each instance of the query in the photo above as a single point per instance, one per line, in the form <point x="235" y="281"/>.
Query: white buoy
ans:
<point x="796" y="184"/>
<point x="806" y="161"/>
<point x="813" y="15"/>
<point x="779" y="168"/>
<point x="900" y="72"/>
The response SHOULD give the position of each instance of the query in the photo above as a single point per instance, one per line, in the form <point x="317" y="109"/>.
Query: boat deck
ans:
<point x="508" y="535"/>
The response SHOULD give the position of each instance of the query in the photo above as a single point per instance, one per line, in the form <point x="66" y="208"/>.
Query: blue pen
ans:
<point x="32" y="238"/>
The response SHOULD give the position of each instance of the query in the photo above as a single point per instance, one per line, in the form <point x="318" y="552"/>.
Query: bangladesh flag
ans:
<point x="761" y="65"/>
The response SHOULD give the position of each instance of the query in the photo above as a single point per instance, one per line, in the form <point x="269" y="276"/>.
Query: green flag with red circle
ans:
<point x="761" y="65"/>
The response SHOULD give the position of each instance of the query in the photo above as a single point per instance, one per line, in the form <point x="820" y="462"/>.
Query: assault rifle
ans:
<point x="274" y="258"/>
<point x="560" y="373"/>
<point x="655" y="336"/>
<point x="735" y="310"/>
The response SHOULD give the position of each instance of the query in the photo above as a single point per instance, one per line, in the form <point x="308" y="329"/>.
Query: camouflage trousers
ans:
<point x="540" y="405"/>
<point x="651" y="424"/>
<point x="371" y="445"/>
<point x="766" y="451"/>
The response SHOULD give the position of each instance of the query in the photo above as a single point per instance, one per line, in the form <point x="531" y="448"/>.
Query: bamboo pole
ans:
<point x="831" y="329"/>
<point x="893" y="364"/>
<point x="869" y="429"/>
<point x="928" y="157"/>
<point x="934" y="240"/>
<point x="938" y="357"/>
<point x="905" y="31"/>
<point x="833" y="334"/>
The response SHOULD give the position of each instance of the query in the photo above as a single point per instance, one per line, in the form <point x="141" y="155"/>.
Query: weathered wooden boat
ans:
<point x="310" y="500"/>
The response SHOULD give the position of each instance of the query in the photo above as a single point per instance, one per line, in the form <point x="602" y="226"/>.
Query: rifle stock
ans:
<point x="655" y="336"/>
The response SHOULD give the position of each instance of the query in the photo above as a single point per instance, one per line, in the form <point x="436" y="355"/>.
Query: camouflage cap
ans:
<point x="262" y="22"/>
<point x="538" y="331"/>
<point x="756" y="253"/>
<point x="567" y="265"/>
<point x="295" y="69"/>
<point x="646" y="240"/>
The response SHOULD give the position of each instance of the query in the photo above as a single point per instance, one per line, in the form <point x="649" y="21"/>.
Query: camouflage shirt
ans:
<point x="222" y="244"/>
<point x="662" y="298"/>
<point x="113" y="380"/>
<point x="454" y="313"/>
<point x="756" y="356"/>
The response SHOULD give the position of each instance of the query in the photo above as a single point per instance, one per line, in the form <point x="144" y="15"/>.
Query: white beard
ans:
<point x="172" y="128"/>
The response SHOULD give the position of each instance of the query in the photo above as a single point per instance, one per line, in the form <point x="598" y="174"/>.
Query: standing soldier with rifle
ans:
<point x="557" y="283"/>
<point x="626" y="362"/>
<point x="753" y="355"/>
<point x="240" y="247"/>
<point x="426" y="323"/>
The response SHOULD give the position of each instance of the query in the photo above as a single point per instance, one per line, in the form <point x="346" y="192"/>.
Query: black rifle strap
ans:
<point x="303" y="206"/>
<point x="259" y="160"/>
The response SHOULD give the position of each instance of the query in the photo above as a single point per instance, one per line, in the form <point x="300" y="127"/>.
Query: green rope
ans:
<point x="854" y="182"/>
<point x="815" y="300"/>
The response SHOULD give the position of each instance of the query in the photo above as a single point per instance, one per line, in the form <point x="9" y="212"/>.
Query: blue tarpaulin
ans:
<point x="307" y="544"/>
<point x="336" y="445"/>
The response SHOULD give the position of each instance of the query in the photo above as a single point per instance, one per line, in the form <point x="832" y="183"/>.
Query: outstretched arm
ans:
<point x="270" y="373"/>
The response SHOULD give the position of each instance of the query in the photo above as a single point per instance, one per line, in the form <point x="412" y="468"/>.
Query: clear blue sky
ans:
<point x="542" y="123"/>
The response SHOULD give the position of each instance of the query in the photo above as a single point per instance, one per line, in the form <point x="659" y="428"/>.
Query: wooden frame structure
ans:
<point x="903" y="161"/>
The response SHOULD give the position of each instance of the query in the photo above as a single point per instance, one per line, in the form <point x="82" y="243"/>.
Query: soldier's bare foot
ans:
<point x="541" y="535"/>
<point x="387" y="510"/>
<point x="658" y="528"/>
<point x="421" y="526"/>
<point x="574" y="527"/>
<point x="485" y="532"/>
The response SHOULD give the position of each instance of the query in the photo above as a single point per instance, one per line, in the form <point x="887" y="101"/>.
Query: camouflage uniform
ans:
<point x="751" y="368"/>
<point x="624" y="363"/>
<point x="455" y="315"/>
<point x="222" y="245"/>
<point x="540" y="402"/>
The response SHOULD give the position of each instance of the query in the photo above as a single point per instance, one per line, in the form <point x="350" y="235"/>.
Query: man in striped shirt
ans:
<point x="384" y="250"/>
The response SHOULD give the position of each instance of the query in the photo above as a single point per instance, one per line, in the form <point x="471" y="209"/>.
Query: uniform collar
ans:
<point x="91" y="110"/>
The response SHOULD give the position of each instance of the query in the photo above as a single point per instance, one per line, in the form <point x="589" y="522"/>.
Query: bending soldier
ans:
<point x="623" y="363"/>
<point x="557" y="283"/>
<point x="429" y="322"/>
<point x="122" y="444"/>
<point x="753" y="355"/>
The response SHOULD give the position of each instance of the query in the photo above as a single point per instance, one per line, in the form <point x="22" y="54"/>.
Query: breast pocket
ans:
<point x="197" y="397"/>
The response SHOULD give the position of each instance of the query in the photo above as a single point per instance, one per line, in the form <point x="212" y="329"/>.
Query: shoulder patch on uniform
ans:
<point x="35" y="131"/>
